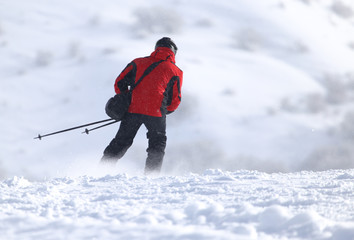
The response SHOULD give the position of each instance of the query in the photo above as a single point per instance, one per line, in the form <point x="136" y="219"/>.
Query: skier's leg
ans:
<point x="123" y="140"/>
<point x="157" y="143"/>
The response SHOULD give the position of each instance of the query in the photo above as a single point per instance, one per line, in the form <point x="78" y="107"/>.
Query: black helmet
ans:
<point x="167" y="42"/>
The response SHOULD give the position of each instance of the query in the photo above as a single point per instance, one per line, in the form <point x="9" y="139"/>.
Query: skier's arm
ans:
<point x="125" y="78"/>
<point x="175" y="94"/>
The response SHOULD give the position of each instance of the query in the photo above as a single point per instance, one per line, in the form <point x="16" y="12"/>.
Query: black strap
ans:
<point x="147" y="71"/>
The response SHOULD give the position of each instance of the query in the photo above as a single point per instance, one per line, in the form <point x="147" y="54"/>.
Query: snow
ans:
<point x="213" y="205"/>
<point x="260" y="148"/>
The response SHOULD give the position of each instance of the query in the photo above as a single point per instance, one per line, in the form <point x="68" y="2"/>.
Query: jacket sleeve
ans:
<point x="126" y="78"/>
<point x="175" y="93"/>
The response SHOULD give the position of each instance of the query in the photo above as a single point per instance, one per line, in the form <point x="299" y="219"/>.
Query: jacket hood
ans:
<point x="163" y="53"/>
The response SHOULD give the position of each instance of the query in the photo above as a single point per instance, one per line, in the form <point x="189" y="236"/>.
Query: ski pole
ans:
<point x="73" y="128"/>
<point x="87" y="131"/>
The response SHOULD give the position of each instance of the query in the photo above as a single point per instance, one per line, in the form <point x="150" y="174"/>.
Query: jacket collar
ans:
<point x="164" y="53"/>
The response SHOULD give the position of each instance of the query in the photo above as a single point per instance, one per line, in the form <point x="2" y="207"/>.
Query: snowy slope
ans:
<point x="212" y="205"/>
<point x="268" y="85"/>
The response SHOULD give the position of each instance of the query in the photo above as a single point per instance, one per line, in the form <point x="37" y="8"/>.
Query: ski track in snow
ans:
<point x="213" y="205"/>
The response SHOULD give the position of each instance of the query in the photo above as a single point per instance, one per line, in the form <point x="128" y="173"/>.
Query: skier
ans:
<point x="158" y="94"/>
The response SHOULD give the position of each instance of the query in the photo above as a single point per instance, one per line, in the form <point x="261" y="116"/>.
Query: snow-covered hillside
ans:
<point x="268" y="86"/>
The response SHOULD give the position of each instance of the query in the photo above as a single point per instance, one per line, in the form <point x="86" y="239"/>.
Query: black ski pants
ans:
<point x="129" y="127"/>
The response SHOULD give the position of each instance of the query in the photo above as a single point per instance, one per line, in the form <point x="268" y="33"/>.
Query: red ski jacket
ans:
<point x="159" y="92"/>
